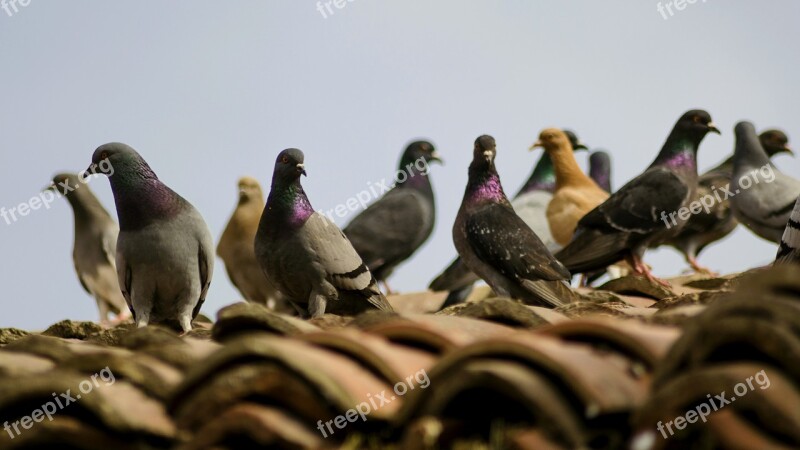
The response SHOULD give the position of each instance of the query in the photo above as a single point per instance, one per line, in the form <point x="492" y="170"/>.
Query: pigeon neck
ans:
<point x="749" y="153"/>
<point x="289" y="204"/>
<point x="678" y="153"/>
<point x="484" y="185"/>
<point x="543" y="177"/>
<point x="566" y="167"/>
<point x="600" y="174"/>
<point x="142" y="199"/>
<point x="86" y="207"/>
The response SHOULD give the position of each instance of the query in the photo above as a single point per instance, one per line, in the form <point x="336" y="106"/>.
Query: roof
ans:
<point x="605" y="373"/>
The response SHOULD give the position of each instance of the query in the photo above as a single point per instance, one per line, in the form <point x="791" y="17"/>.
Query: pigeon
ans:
<point x="600" y="169"/>
<point x="235" y="248"/>
<point x="705" y="228"/>
<point x="497" y="245"/>
<point x="643" y="212"/>
<point x="165" y="254"/>
<point x="530" y="203"/>
<point x="392" y="228"/>
<point x="305" y="255"/>
<point x="789" y="250"/>
<point x="94" y="249"/>
<point x="576" y="194"/>
<point x="762" y="197"/>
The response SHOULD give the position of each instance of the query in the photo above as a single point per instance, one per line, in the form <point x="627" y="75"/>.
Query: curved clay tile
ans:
<point x="636" y="340"/>
<point x="241" y="318"/>
<point x="305" y="380"/>
<point x="771" y="406"/>
<point x="115" y="409"/>
<point x="249" y="425"/>
<point x="437" y="334"/>
<point x="504" y="311"/>
<point x="13" y="364"/>
<point x="392" y="362"/>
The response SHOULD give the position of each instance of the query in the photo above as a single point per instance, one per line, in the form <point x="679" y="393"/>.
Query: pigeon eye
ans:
<point x="285" y="160"/>
<point x="104" y="155"/>
<point x="696" y="119"/>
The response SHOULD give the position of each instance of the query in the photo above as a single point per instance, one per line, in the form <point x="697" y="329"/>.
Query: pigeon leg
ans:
<point x="317" y="304"/>
<point x="697" y="267"/>
<point x="641" y="269"/>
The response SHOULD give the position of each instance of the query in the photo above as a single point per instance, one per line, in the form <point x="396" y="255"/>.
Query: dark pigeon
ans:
<point x="600" y="169"/>
<point x="165" y="254"/>
<point x="705" y="228"/>
<point x="497" y="245"/>
<point x="637" y="215"/>
<point x="94" y="249"/>
<point x="305" y="255"/>
<point x="763" y="196"/>
<point x="530" y="203"/>
<point x="391" y="229"/>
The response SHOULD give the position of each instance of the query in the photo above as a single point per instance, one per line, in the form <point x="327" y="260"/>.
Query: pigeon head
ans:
<point x="420" y="151"/>
<point x="249" y="190"/>
<point x="696" y="123"/>
<point x="108" y="158"/>
<point x="485" y="151"/>
<point x="554" y="139"/>
<point x="577" y="144"/>
<point x="288" y="167"/>
<point x="774" y="142"/>
<point x="64" y="183"/>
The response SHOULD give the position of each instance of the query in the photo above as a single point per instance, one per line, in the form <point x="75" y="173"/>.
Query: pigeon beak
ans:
<point x="302" y="169"/>
<point x="51" y="188"/>
<point x="436" y="157"/>
<point x="713" y="128"/>
<point x="536" y="144"/>
<point x="581" y="146"/>
<point x="488" y="154"/>
<point x="788" y="149"/>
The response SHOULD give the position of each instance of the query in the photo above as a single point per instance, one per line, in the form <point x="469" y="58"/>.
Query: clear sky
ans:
<point x="209" y="91"/>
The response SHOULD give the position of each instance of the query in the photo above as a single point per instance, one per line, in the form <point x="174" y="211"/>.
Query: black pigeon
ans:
<point x="637" y="216"/>
<point x="391" y="229"/>
<point x="705" y="228"/>
<point x="763" y="196"/>
<point x="497" y="245"/>
<point x="530" y="203"/>
<point x="305" y="255"/>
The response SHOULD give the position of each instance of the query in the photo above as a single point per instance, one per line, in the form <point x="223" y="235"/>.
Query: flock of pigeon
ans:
<point x="158" y="263"/>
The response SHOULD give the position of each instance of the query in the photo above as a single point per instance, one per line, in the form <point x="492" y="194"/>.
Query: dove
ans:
<point x="644" y="212"/>
<point x="94" y="248"/>
<point x="576" y="194"/>
<point x="236" y="250"/>
<point x="707" y="227"/>
<point x="165" y="253"/>
<point x="497" y="245"/>
<point x="761" y="196"/>
<point x="530" y="204"/>
<point x="305" y="255"/>
<point x="392" y="228"/>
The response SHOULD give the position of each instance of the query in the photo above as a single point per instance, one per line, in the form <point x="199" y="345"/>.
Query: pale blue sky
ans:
<point x="208" y="91"/>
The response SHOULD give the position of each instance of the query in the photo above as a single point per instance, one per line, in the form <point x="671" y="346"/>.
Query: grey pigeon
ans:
<point x="392" y="228"/>
<point x="235" y="248"/>
<point x="637" y="216"/>
<point x="305" y="255"/>
<point x="497" y="245"/>
<point x="94" y="249"/>
<point x="789" y="250"/>
<point x="530" y="204"/>
<point x="762" y="197"/>
<point x="707" y="227"/>
<point x="165" y="254"/>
